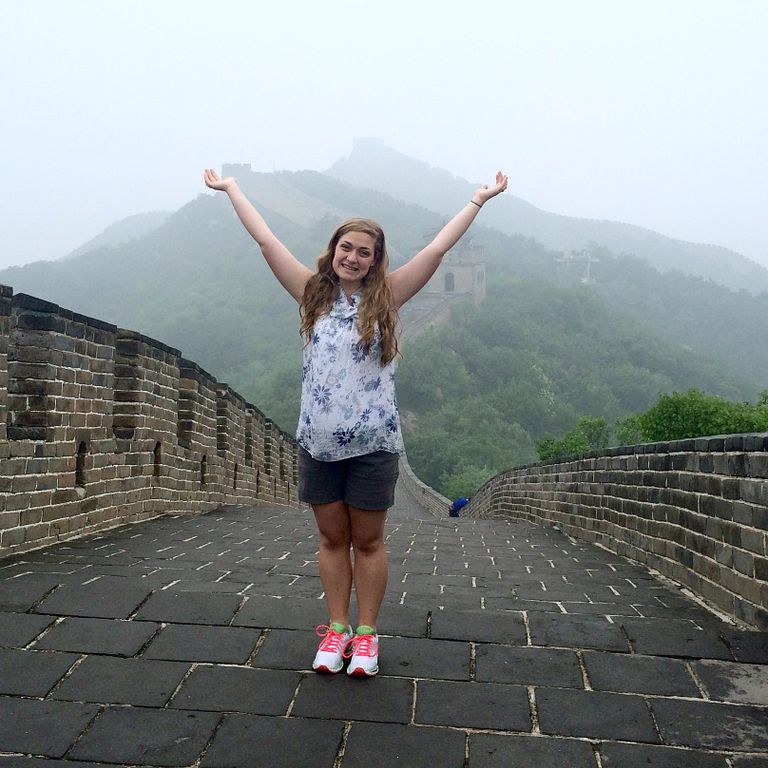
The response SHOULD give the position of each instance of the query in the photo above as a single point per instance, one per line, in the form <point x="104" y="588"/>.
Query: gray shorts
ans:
<point x="364" y="482"/>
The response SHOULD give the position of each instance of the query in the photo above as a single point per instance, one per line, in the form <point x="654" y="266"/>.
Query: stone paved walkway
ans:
<point x="186" y="641"/>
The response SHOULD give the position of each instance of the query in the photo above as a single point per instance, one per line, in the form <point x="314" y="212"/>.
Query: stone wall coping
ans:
<point x="125" y="333"/>
<point x="748" y="441"/>
<point x="25" y="301"/>
<point x="199" y="374"/>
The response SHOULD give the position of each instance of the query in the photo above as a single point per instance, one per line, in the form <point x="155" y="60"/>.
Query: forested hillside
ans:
<point x="543" y="350"/>
<point x="530" y="362"/>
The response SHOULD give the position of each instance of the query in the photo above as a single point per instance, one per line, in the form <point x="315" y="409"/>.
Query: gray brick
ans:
<point x="109" y="680"/>
<point x="674" y="638"/>
<point x="643" y="756"/>
<point x="577" y="632"/>
<point x="528" y="666"/>
<point x="491" y="751"/>
<point x="106" y="598"/>
<point x="23" y="592"/>
<point x="745" y="645"/>
<point x="624" y="673"/>
<point x="594" y="714"/>
<point x="710" y="725"/>
<point x="9" y="761"/>
<point x="146" y="736"/>
<point x="474" y="705"/>
<point x="337" y="697"/>
<point x="287" y="649"/>
<point x="32" y="673"/>
<point x="417" y="657"/>
<point x="100" y="636"/>
<point x="376" y="745"/>
<point x="190" y="608"/>
<point x="227" y="645"/>
<point x="479" y="626"/>
<point x="273" y="742"/>
<point x="737" y="683"/>
<point x="49" y="728"/>
<point x="19" y="629"/>
<point x="237" y="689"/>
<point x="262" y="611"/>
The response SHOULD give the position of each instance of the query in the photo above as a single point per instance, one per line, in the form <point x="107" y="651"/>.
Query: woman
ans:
<point x="349" y="429"/>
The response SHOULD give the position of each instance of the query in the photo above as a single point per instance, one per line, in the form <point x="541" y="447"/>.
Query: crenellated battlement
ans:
<point x="100" y="425"/>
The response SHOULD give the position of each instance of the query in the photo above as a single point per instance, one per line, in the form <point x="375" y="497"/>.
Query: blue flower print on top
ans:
<point x="344" y="435"/>
<point x="321" y="395"/>
<point x="348" y="403"/>
<point x="359" y="353"/>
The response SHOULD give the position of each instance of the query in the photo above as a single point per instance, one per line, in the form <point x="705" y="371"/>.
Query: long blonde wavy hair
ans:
<point x="377" y="308"/>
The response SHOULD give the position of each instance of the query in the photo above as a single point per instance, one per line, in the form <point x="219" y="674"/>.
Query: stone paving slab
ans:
<point x="528" y="666"/>
<point x="32" y="673"/>
<point x="644" y="756"/>
<point x="111" y="680"/>
<point x="141" y="736"/>
<point x="595" y="715"/>
<point x="640" y="674"/>
<point x="230" y="689"/>
<point x="185" y="642"/>
<point x="270" y="742"/>
<point x="375" y="745"/>
<point x="183" y="608"/>
<point x="486" y="706"/>
<point x="188" y="641"/>
<point x="496" y="751"/>
<point x="105" y="637"/>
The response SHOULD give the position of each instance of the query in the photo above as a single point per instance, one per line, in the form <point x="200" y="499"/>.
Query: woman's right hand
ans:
<point x="213" y="181"/>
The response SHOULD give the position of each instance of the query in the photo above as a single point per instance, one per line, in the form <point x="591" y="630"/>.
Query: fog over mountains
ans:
<point x="545" y="348"/>
<point x="373" y="165"/>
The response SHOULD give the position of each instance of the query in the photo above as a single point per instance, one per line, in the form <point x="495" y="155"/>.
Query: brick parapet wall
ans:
<point x="6" y="304"/>
<point x="101" y="426"/>
<point x="426" y="497"/>
<point x="694" y="510"/>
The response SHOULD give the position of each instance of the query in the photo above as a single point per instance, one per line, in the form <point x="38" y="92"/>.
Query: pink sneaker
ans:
<point x="330" y="653"/>
<point x="363" y="649"/>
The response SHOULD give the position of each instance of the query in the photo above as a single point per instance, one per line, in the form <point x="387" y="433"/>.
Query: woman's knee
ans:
<point x="333" y="525"/>
<point x="367" y="542"/>
<point x="368" y="547"/>
<point x="337" y="539"/>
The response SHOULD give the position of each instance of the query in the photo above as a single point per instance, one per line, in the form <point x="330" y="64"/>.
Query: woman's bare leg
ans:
<point x="334" y="526"/>
<point x="370" y="567"/>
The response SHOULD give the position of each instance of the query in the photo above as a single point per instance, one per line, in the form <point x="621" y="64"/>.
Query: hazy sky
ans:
<point x="653" y="112"/>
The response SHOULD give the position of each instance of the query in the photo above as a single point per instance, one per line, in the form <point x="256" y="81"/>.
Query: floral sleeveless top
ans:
<point x="348" y="403"/>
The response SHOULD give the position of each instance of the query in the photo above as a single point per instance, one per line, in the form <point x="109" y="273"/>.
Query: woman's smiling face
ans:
<point x="353" y="258"/>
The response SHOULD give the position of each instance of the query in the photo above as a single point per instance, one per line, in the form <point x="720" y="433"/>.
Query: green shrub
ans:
<point x="589" y="434"/>
<point x="693" y="414"/>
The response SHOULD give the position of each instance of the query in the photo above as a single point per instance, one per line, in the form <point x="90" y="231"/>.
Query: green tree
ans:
<point x="466" y="481"/>
<point x="680" y="415"/>
<point x="590" y="434"/>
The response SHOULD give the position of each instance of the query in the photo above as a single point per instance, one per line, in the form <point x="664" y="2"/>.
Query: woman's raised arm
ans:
<point x="291" y="273"/>
<point x="406" y="281"/>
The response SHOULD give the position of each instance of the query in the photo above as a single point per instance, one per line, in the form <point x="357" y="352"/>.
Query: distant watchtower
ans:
<point x="462" y="272"/>
<point x="238" y="170"/>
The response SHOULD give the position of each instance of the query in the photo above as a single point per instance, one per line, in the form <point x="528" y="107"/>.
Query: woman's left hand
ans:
<point x="485" y="193"/>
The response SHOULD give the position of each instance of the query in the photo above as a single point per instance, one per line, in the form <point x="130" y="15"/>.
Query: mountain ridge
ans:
<point x="372" y="164"/>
